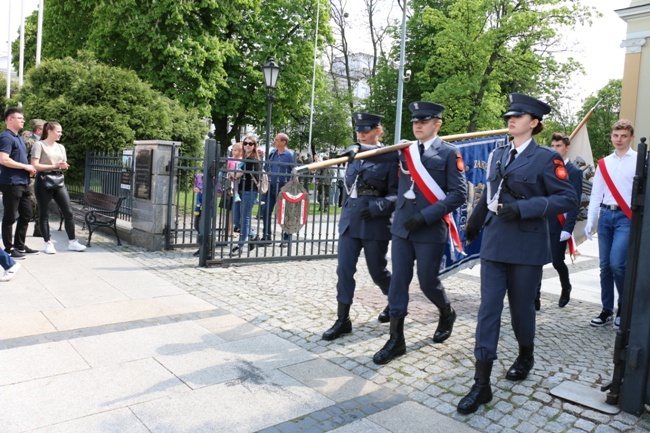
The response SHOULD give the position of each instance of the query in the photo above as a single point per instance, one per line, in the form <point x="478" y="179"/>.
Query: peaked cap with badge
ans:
<point x="364" y="122"/>
<point x="521" y="104"/>
<point x="423" y="110"/>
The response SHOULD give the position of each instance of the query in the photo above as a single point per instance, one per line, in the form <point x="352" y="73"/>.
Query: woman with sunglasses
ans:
<point x="248" y="176"/>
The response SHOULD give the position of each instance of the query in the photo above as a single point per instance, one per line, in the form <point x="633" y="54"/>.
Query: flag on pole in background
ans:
<point x="581" y="155"/>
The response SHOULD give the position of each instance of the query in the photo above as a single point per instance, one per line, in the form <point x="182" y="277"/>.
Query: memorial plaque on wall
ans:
<point x="143" y="164"/>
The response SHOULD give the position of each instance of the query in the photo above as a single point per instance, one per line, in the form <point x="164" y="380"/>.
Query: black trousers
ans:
<point x="61" y="197"/>
<point x="558" y="252"/>
<point x="16" y="199"/>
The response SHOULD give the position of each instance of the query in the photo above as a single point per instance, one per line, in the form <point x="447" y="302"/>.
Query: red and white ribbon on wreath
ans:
<point x="285" y="198"/>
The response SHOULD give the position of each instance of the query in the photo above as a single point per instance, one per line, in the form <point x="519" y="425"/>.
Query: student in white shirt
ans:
<point x="610" y="206"/>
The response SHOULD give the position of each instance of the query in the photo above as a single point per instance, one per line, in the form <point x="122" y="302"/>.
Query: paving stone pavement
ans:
<point x="296" y="301"/>
<point x="289" y="305"/>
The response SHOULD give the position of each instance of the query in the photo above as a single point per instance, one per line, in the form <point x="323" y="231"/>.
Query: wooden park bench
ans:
<point x="102" y="212"/>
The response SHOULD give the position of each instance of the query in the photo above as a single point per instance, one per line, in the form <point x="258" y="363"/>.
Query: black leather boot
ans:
<point x="396" y="346"/>
<point x="343" y="325"/>
<point x="481" y="391"/>
<point x="445" y="324"/>
<point x="523" y="364"/>
<point x="565" y="296"/>
<point x="384" y="316"/>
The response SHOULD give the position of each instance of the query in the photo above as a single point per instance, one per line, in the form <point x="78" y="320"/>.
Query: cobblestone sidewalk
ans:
<point x="296" y="301"/>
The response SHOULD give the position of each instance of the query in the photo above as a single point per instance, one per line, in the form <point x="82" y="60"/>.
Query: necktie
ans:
<point x="513" y="154"/>
<point x="421" y="148"/>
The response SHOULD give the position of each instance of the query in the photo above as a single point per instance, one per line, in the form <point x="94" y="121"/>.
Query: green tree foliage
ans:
<point x="105" y="108"/>
<point x="332" y="121"/>
<point x="469" y="54"/>
<point x="205" y="54"/>
<point x="604" y="116"/>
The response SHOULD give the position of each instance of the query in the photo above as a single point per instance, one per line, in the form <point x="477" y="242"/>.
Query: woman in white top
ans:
<point x="49" y="158"/>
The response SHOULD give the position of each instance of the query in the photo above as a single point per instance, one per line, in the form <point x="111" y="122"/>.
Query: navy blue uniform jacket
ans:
<point x="381" y="176"/>
<point x="575" y="177"/>
<point x="540" y="189"/>
<point x="441" y="161"/>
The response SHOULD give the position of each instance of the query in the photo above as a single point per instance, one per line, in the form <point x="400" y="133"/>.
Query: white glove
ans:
<point x="564" y="236"/>
<point x="588" y="229"/>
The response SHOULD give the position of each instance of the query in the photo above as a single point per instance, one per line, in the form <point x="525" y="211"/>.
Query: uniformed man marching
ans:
<point x="526" y="184"/>
<point x="431" y="186"/>
<point x="370" y="194"/>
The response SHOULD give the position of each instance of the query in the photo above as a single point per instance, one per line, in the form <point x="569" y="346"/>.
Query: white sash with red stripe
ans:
<point x="430" y="189"/>
<point x="612" y="188"/>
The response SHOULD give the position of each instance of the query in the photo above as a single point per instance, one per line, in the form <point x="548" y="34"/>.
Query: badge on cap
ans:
<point x="416" y="105"/>
<point x="359" y="116"/>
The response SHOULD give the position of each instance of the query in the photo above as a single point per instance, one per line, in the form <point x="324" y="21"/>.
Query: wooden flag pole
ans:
<point x="381" y="150"/>
<point x="584" y="120"/>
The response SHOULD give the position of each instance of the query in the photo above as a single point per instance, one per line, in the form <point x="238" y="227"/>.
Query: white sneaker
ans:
<point x="6" y="276"/>
<point x="49" y="248"/>
<point x="74" y="245"/>
<point x="14" y="268"/>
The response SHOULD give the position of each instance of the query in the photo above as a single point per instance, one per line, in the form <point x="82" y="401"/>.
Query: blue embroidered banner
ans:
<point x="475" y="155"/>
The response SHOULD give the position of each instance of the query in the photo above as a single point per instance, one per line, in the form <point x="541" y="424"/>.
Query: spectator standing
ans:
<point x="526" y="184"/>
<point x="560" y="229"/>
<point x="198" y="207"/>
<point x="30" y="138"/>
<point x="9" y="266"/>
<point x="279" y="164"/>
<point x="611" y="196"/>
<point x="365" y="222"/>
<point x="14" y="184"/>
<point x="248" y="177"/>
<point x="323" y="183"/>
<point x="233" y="163"/>
<point x="49" y="158"/>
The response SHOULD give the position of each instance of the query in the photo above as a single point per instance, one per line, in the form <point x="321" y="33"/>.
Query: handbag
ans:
<point x="52" y="179"/>
<point x="263" y="185"/>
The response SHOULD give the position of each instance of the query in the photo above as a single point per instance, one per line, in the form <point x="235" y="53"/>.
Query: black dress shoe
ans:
<point x="340" y="327"/>
<point x="478" y="395"/>
<point x="481" y="391"/>
<point x="384" y="316"/>
<point x="445" y="324"/>
<point x="520" y="369"/>
<point x="395" y="346"/>
<point x="565" y="297"/>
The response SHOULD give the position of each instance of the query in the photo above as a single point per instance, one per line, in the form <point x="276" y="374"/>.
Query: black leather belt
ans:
<point x="52" y="172"/>
<point x="610" y="206"/>
<point x="369" y="192"/>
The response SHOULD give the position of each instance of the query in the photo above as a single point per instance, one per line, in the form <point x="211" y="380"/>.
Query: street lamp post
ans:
<point x="301" y="130"/>
<point x="271" y="72"/>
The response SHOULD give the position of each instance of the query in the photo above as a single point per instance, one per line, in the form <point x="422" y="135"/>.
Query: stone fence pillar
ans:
<point x="151" y="188"/>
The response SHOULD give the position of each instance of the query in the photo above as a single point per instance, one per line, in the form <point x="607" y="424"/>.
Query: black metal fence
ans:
<point x="232" y="205"/>
<point x="222" y="203"/>
<point x="103" y="174"/>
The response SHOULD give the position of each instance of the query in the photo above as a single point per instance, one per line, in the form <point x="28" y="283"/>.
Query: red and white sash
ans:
<point x="570" y="242"/>
<point x="612" y="188"/>
<point x="285" y="198"/>
<point x="430" y="189"/>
